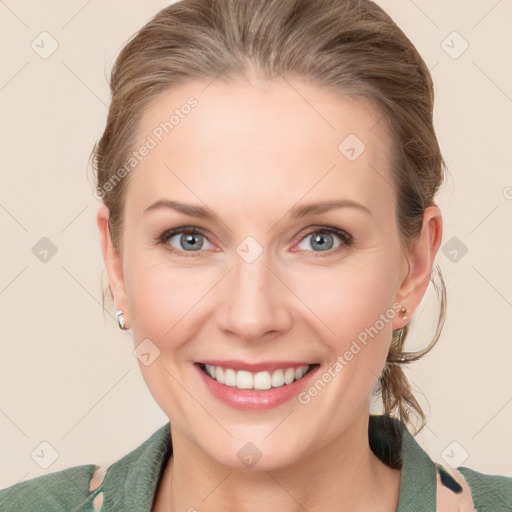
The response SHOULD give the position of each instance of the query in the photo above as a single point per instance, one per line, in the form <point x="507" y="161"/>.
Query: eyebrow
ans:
<point x="295" y="212"/>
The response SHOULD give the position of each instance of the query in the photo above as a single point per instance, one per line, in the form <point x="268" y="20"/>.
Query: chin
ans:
<point x="255" y="456"/>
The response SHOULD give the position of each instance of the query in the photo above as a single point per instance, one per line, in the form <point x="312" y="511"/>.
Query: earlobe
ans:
<point x="113" y="260"/>
<point x="420" y="260"/>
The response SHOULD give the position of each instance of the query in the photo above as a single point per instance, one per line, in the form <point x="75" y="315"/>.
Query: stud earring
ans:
<point x="403" y="313"/>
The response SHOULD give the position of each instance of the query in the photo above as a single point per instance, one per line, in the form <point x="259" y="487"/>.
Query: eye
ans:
<point x="323" y="239"/>
<point x="187" y="239"/>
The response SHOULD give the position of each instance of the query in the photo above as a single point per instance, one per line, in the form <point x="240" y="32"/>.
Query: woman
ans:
<point x="268" y="176"/>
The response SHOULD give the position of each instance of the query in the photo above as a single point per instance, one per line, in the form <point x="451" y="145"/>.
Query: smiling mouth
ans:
<point x="257" y="381"/>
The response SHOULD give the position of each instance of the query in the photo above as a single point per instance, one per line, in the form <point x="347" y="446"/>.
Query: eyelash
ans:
<point x="189" y="230"/>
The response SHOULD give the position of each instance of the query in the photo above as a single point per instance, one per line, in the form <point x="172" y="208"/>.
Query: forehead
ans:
<point x="253" y="142"/>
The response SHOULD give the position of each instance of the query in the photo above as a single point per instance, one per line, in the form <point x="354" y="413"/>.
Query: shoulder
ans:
<point x="425" y="482"/>
<point x="126" y="484"/>
<point x="67" y="489"/>
<point x="493" y="491"/>
<point x="466" y="489"/>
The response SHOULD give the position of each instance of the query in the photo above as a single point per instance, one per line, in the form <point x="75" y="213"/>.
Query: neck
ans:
<point x="344" y="476"/>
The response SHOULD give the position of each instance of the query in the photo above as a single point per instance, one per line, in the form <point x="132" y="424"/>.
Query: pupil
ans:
<point x="189" y="239"/>
<point x="320" y="239"/>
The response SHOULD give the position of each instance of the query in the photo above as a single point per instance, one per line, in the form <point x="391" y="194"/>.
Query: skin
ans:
<point x="250" y="151"/>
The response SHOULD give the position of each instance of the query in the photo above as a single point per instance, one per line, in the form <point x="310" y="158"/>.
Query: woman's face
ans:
<point x="257" y="282"/>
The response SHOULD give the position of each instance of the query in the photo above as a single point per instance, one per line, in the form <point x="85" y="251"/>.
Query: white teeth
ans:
<point x="244" y="380"/>
<point x="289" y="376"/>
<point x="219" y="374"/>
<point x="299" y="372"/>
<point x="277" y="378"/>
<point x="230" y="377"/>
<point x="261" y="380"/>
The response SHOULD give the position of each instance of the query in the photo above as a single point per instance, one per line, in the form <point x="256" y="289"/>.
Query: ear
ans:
<point x="420" y="259"/>
<point x="113" y="262"/>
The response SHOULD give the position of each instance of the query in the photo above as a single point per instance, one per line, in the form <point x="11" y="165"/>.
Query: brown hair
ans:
<point x="351" y="46"/>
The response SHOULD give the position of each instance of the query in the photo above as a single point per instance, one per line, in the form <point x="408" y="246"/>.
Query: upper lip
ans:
<point x="255" y="367"/>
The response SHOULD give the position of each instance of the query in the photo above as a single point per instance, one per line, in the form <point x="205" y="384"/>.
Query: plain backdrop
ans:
<point x="69" y="383"/>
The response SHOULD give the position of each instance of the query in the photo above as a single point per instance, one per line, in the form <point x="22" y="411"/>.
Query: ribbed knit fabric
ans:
<point x="491" y="493"/>
<point x="130" y="483"/>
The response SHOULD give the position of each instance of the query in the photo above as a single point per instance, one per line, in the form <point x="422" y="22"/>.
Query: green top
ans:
<point x="130" y="483"/>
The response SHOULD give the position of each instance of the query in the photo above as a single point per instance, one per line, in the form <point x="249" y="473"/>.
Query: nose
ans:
<point x="255" y="303"/>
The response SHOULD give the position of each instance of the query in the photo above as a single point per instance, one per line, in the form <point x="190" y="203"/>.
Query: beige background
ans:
<point x="67" y="374"/>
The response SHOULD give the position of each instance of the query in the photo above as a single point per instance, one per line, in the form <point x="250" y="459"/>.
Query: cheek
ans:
<point x="354" y="306"/>
<point x="164" y="306"/>
<point x="347" y="300"/>
<point x="355" y="310"/>
<point x="162" y="300"/>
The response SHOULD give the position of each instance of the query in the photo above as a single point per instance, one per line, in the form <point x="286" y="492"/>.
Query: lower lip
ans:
<point x="253" y="400"/>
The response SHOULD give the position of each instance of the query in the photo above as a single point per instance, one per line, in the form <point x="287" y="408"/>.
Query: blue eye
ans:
<point x="191" y="240"/>
<point x="325" y="243"/>
<point x="187" y="238"/>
